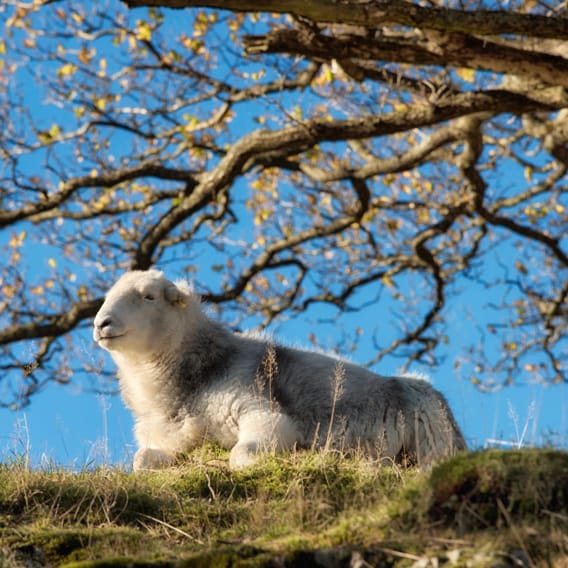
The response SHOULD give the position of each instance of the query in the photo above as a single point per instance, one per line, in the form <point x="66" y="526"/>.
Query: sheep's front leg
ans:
<point x="262" y="431"/>
<point x="161" y="441"/>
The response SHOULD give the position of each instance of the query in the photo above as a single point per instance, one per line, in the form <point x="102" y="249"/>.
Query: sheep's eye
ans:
<point x="148" y="297"/>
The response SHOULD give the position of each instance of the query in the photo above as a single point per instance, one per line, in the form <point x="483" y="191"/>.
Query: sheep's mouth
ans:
<point x="110" y="337"/>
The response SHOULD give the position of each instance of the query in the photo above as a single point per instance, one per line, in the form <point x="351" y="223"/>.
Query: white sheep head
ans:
<point x="141" y="314"/>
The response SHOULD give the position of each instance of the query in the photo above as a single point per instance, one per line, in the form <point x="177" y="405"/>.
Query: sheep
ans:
<point x="188" y="379"/>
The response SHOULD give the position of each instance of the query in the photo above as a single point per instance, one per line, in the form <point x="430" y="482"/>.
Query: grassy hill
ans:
<point x="493" y="508"/>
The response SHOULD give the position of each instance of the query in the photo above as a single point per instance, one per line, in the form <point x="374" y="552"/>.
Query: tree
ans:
<point x="288" y="156"/>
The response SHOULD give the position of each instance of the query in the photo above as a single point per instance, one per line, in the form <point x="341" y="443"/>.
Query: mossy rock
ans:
<point x="496" y="488"/>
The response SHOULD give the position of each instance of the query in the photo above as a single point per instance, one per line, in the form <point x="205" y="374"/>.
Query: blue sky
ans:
<point x="73" y="426"/>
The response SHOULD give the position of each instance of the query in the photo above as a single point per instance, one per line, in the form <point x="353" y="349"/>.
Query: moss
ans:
<point x="495" y="488"/>
<point x="227" y="557"/>
<point x="63" y="544"/>
<point x="52" y="546"/>
<point x="119" y="561"/>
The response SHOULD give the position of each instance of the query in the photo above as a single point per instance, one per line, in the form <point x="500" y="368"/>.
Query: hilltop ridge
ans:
<point x="489" y="508"/>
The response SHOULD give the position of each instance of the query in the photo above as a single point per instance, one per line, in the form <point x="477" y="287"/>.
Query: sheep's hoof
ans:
<point x="151" y="459"/>
<point x="242" y="456"/>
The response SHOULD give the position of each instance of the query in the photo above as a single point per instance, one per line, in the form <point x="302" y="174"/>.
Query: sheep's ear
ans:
<point x="176" y="296"/>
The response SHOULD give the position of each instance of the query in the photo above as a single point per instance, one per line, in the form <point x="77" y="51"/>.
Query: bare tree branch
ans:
<point x="457" y="50"/>
<point x="377" y="13"/>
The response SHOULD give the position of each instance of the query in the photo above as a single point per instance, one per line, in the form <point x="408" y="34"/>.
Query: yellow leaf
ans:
<point x="17" y="20"/>
<point x="466" y="74"/>
<point x="48" y="136"/>
<point x="82" y="292"/>
<point x="262" y="282"/>
<point x="233" y="24"/>
<point x="78" y="18"/>
<point x="55" y="130"/>
<point x="392" y="225"/>
<point x="52" y="262"/>
<point x="388" y="281"/>
<point x="85" y="55"/>
<point x="423" y="216"/>
<point x="102" y="67"/>
<point x="521" y="267"/>
<point x="143" y="31"/>
<point x="8" y="291"/>
<point x="66" y="70"/>
<point x="17" y="240"/>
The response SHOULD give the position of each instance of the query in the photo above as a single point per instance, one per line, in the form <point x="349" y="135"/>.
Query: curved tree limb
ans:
<point x="442" y="49"/>
<point x="55" y="326"/>
<point x="376" y="13"/>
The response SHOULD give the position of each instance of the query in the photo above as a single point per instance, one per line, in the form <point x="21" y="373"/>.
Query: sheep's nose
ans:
<point x="106" y="321"/>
